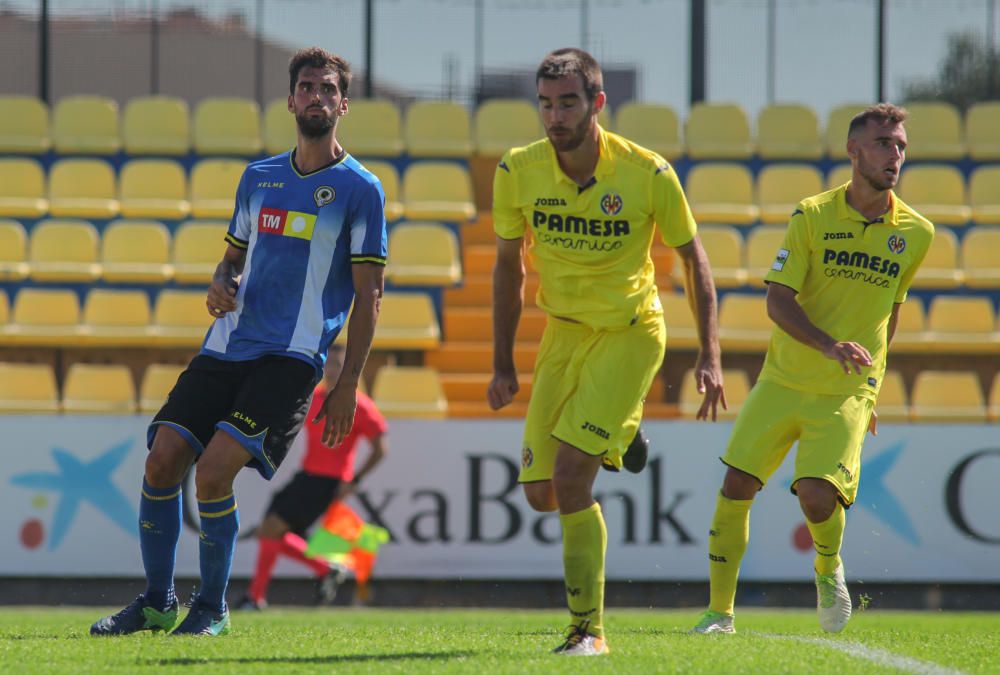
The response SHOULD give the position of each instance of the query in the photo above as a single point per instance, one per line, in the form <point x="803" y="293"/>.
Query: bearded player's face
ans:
<point x="567" y="114"/>
<point x="317" y="101"/>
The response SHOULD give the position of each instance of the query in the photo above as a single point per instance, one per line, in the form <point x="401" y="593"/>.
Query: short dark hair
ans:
<point x="572" y="61"/>
<point x="317" y="57"/>
<point x="881" y="113"/>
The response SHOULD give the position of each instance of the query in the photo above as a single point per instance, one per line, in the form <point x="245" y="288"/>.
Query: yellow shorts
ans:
<point x="830" y="431"/>
<point x="588" y="390"/>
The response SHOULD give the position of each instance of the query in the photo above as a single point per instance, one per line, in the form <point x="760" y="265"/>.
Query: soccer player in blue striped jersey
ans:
<point x="307" y="238"/>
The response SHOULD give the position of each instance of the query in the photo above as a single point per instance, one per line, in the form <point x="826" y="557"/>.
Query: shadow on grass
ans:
<point x="292" y="660"/>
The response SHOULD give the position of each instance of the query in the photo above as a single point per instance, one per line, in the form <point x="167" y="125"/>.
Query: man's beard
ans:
<point x="314" y="127"/>
<point x="575" y="137"/>
<point x="876" y="179"/>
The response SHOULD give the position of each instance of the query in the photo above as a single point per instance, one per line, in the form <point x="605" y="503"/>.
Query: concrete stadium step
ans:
<point x="660" y="411"/>
<point x="479" y="258"/>
<point x="467" y="324"/>
<point x="518" y="409"/>
<point x="471" y="387"/>
<point x="479" y="232"/>
<point x="477" y="357"/>
<point x="477" y="291"/>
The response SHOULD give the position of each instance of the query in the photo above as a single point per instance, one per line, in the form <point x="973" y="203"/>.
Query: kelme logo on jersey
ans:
<point x="896" y="244"/>
<point x="323" y="195"/>
<point x="611" y="204"/>
<point x="286" y="223"/>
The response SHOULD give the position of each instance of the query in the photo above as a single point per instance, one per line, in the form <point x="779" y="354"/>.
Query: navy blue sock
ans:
<point x="159" y="530"/>
<point x="220" y="523"/>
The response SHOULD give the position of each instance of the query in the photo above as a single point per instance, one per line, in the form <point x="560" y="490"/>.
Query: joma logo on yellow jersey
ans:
<point x="595" y="227"/>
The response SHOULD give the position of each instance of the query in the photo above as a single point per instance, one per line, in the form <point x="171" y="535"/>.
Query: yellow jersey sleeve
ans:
<point x="791" y="262"/>
<point x="508" y="218"/>
<point x="670" y="208"/>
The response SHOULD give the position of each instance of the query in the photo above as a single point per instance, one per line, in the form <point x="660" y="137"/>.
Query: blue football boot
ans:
<point x="138" y="616"/>
<point x="204" y="620"/>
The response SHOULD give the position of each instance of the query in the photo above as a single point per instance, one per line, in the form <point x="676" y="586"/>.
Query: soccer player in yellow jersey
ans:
<point x="593" y="202"/>
<point x="834" y="292"/>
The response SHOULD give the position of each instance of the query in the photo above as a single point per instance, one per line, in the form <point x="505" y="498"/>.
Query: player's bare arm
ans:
<point x="701" y="295"/>
<point x="379" y="448"/>
<point x="785" y="310"/>
<point x="225" y="282"/>
<point x="893" y="321"/>
<point x="508" y="299"/>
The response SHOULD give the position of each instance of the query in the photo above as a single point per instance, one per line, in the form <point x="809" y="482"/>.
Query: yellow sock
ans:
<point x="827" y="538"/>
<point x="727" y="542"/>
<point x="585" y="541"/>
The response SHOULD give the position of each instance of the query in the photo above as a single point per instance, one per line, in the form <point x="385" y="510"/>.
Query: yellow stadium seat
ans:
<point x="911" y="327"/>
<point x="962" y="324"/>
<point x="136" y="251"/>
<point x="409" y="391"/>
<point x="28" y="388"/>
<point x="280" y="129"/>
<point x="762" y="249"/>
<point x="724" y="247"/>
<point x="892" y="405"/>
<point x="156" y="125"/>
<point x="85" y="125"/>
<point x="64" y="250"/>
<point x="438" y="191"/>
<point x="82" y="188"/>
<point x="114" y="318"/>
<point x="652" y="126"/>
<point x="423" y="254"/>
<point x="198" y="248"/>
<point x="717" y="131"/>
<point x="13" y="251"/>
<point x="502" y="124"/>
<point x="839" y="175"/>
<point x="438" y="129"/>
<point x="980" y="264"/>
<point x="934" y="131"/>
<point x="788" y="131"/>
<point x="372" y="128"/>
<point x="154" y="188"/>
<point x="22" y="189"/>
<point x="743" y="322"/>
<point x="604" y="117"/>
<point x="227" y="126"/>
<point x="24" y="125"/>
<point x="722" y="193"/>
<point x="43" y="317"/>
<point x="736" y="384"/>
<point x="982" y="130"/>
<point x="213" y="187"/>
<point x="180" y="318"/>
<point x="940" y="267"/>
<point x="407" y="321"/>
<point x="780" y="187"/>
<point x="682" y="333"/>
<point x="994" y="399"/>
<point x="942" y="396"/>
<point x="984" y="195"/>
<point x="99" y="388"/>
<point x="157" y="382"/>
<point x="838" y="122"/>
<point x="4" y="309"/>
<point x="937" y="191"/>
<point x="389" y="177"/>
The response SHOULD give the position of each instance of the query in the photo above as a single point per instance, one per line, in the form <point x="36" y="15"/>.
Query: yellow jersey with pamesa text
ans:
<point x="848" y="273"/>
<point x="590" y="244"/>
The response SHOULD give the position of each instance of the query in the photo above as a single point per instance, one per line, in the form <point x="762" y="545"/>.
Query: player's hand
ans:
<point x="502" y="389"/>
<point x="873" y="424"/>
<point x="345" y="490"/>
<point x="851" y="356"/>
<point x="338" y="410"/>
<point x="222" y="296"/>
<point x="708" y="377"/>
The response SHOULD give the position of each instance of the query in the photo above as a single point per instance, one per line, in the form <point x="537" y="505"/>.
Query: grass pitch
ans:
<point x="348" y="640"/>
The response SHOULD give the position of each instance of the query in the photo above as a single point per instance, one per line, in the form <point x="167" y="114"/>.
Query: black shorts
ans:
<point x="261" y="403"/>
<point x="304" y="500"/>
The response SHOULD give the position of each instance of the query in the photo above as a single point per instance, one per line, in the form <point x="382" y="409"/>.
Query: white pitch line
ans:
<point x="881" y="657"/>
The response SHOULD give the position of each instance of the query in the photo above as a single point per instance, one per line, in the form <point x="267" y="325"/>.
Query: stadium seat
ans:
<point x="717" y="131"/>
<point x="743" y="322"/>
<point x="737" y="386"/>
<point x="682" y="333"/>
<point x="892" y="405"/>
<point x="198" y="248"/>
<point x="962" y="324"/>
<point x="762" y="248"/>
<point x="157" y="382"/>
<point x="409" y="391"/>
<point x="64" y="251"/>
<point x="153" y="188"/>
<point x="423" y="254"/>
<point x="980" y="262"/>
<point x="98" y="388"/>
<point x="780" y="187"/>
<point x="724" y="246"/>
<point x="113" y="318"/>
<point x="22" y="189"/>
<point x="156" y="125"/>
<point x="982" y="131"/>
<point x="994" y="399"/>
<point x="213" y="187"/>
<point x="911" y="327"/>
<point x="652" y="126"/>
<point x="984" y="195"/>
<point x="28" y="388"/>
<point x="722" y="193"/>
<point x="839" y="175"/>
<point x="502" y="124"/>
<point x="438" y="191"/>
<point x="940" y="267"/>
<point x="180" y="318"/>
<point x="43" y="317"/>
<point x="389" y="177"/>
<point x="13" y="251"/>
<point x="227" y="126"/>
<point x="943" y="396"/>
<point x="937" y="192"/>
<point x="838" y="122"/>
<point x="437" y="129"/>
<point x="136" y="251"/>
<point x="85" y="125"/>
<point x="4" y="309"/>
<point x="280" y="129"/>
<point x="82" y="188"/>
<point x="788" y="131"/>
<point x="372" y="128"/>
<point x="934" y="131"/>
<point x="24" y="125"/>
<point x="407" y="321"/>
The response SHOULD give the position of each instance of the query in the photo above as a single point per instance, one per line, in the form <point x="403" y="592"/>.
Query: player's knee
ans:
<point x="541" y="496"/>
<point x="817" y="498"/>
<point x="167" y="461"/>
<point x="272" y="527"/>
<point x="739" y="485"/>
<point x="213" y="480"/>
